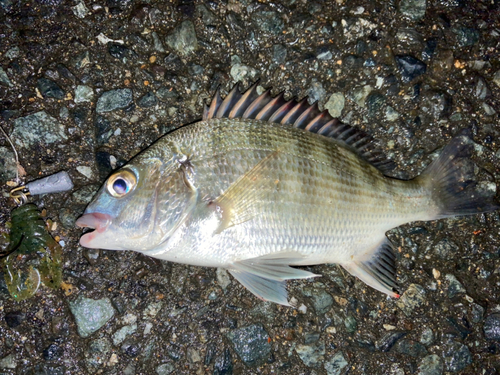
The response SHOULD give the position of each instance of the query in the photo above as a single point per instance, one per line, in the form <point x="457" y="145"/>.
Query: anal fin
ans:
<point x="379" y="271"/>
<point x="266" y="276"/>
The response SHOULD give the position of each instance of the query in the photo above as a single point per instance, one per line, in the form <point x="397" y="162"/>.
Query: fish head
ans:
<point x="139" y="206"/>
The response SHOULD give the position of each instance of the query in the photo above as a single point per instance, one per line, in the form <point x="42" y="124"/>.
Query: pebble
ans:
<point x="357" y="28"/>
<point x="269" y="22"/>
<point x="411" y="348"/>
<point x="389" y="339"/>
<point x="241" y="72"/>
<point x="37" y="128"/>
<point x="279" y="53"/>
<point x="455" y="287"/>
<point x="166" y="93"/>
<point x="311" y="355"/>
<point x="456" y="356"/>
<point x="410" y="67"/>
<point x="183" y="39"/>
<point x="80" y="10"/>
<point x="90" y="315"/>
<point x="477" y="313"/>
<point x="414" y="9"/>
<point x="8" y="163"/>
<point x="359" y="95"/>
<point x="492" y="326"/>
<point x="147" y="100"/>
<point x="123" y="332"/>
<point x="14" y="318"/>
<point x="224" y="364"/>
<point x="412" y="298"/>
<point x="207" y="17"/>
<point x="165" y="369"/>
<point x="375" y="101"/>
<point x="466" y="36"/>
<point x="445" y="248"/>
<point x="4" y="78"/>
<point x="83" y="94"/>
<point x="431" y="365"/>
<point x="8" y="362"/>
<point x="427" y="337"/>
<point x="252" y="344"/>
<point x="496" y="78"/>
<point x="97" y="353"/>
<point x="113" y="100"/>
<point x="481" y="89"/>
<point x="86" y="171"/>
<point x="52" y="352"/>
<point x="316" y="92"/>
<point x="50" y="89"/>
<point x="335" y="104"/>
<point x="223" y="278"/>
<point x="335" y="365"/>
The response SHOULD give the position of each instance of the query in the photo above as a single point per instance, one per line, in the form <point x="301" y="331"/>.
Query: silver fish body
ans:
<point x="256" y="197"/>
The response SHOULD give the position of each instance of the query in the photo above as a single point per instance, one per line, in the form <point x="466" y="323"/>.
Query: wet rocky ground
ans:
<point x="85" y="85"/>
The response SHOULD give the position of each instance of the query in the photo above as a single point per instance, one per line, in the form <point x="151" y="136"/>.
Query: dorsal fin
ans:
<point x="299" y="114"/>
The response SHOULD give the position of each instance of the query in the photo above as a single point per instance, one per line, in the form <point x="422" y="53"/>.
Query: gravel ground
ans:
<point x="85" y="85"/>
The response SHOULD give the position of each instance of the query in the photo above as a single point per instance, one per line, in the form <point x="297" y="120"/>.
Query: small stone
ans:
<point x="14" y="318"/>
<point x="12" y="53"/>
<point x="357" y="28"/>
<point x="80" y="10"/>
<point x="207" y="17"/>
<point x="52" y="352"/>
<point x="279" y="53"/>
<point x="466" y="36"/>
<point x="37" y="128"/>
<point x="324" y="53"/>
<point x="492" y="327"/>
<point x="414" y="9"/>
<point x="121" y="52"/>
<point x="90" y="315"/>
<point x="391" y="114"/>
<point x="455" y="287"/>
<point x="388" y="340"/>
<point x="411" y="348"/>
<point x="165" y="369"/>
<point x="351" y="325"/>
<point x="456" y="356"/>
<point x="481" y="89"/>
<point x="158" y="45"/>
<point x="241" y="72"/>
<point x="123" y="332"/>
<point x="148" y="100"/>
<point x="50" y="89"/>
<point x="183" y="39"/>
<point x="83" y="94"/>
<point x="375" y="101"/>
<point x="335" y="365"/>
<point x="359" y="95"/>
<point x="166" y="93"/>
<point x="224" y="364"/>
<point x="335" y="104"/>
<point x="269" y="22"/>
<point x="193" y="355"/>
<point x="412" y="298"/>
<point x="316" y="91"/>
<point x="8" y="163"/>
<point x="113" y="100"/>
<point x="410" y="67"/>
<point x="431" y="365"/>
<point x="251" y="344"/>
<point x="477" y="313"/>
<point x="311" y="355"/>
<point x="84" y="170"/>
<point x="223" y="278"/>
<point x="427" y="336"/>
<point x="4" y="78"/>
<point x="445" y="249"/>
<point x="8" y="362"/>
<point x="97" y="353"/>
<point x="496" y="78"/>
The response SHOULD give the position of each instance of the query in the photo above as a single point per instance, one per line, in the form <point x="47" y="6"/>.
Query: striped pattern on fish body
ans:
<point x="262" y="184"/>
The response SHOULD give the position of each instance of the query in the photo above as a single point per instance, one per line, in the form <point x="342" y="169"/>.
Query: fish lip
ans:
<point x="95" y="220"/>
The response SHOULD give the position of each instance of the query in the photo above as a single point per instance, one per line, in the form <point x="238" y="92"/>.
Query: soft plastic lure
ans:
<point x="33" y="256"/>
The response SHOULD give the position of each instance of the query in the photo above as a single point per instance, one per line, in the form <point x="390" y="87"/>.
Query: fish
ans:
<point x="263" y="185"/>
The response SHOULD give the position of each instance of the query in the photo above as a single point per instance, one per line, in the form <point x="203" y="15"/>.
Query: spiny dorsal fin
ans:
<point x="300" y="115"/>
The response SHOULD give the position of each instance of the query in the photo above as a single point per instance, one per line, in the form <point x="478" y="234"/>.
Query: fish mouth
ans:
<point x="95" y="220"/>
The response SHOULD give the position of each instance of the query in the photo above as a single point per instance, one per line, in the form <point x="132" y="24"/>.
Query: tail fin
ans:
<point x="451" y="179"/>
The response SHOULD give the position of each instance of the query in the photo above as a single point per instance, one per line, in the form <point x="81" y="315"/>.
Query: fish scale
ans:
<point x="257" y="197"/>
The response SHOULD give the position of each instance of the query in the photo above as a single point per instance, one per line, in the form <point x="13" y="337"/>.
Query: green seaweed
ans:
<point x="34" y="256"/>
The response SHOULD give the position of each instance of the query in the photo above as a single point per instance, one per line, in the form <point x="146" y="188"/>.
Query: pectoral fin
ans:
<point x="266" y="276"/>
<point x="379" y="271"/>
<point x="243" y="200"/>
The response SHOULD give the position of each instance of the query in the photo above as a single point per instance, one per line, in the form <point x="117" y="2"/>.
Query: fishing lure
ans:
<point x="33" y="256"/>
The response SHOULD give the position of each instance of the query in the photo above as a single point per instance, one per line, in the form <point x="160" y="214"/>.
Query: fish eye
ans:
<point x="121" y="183"/>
